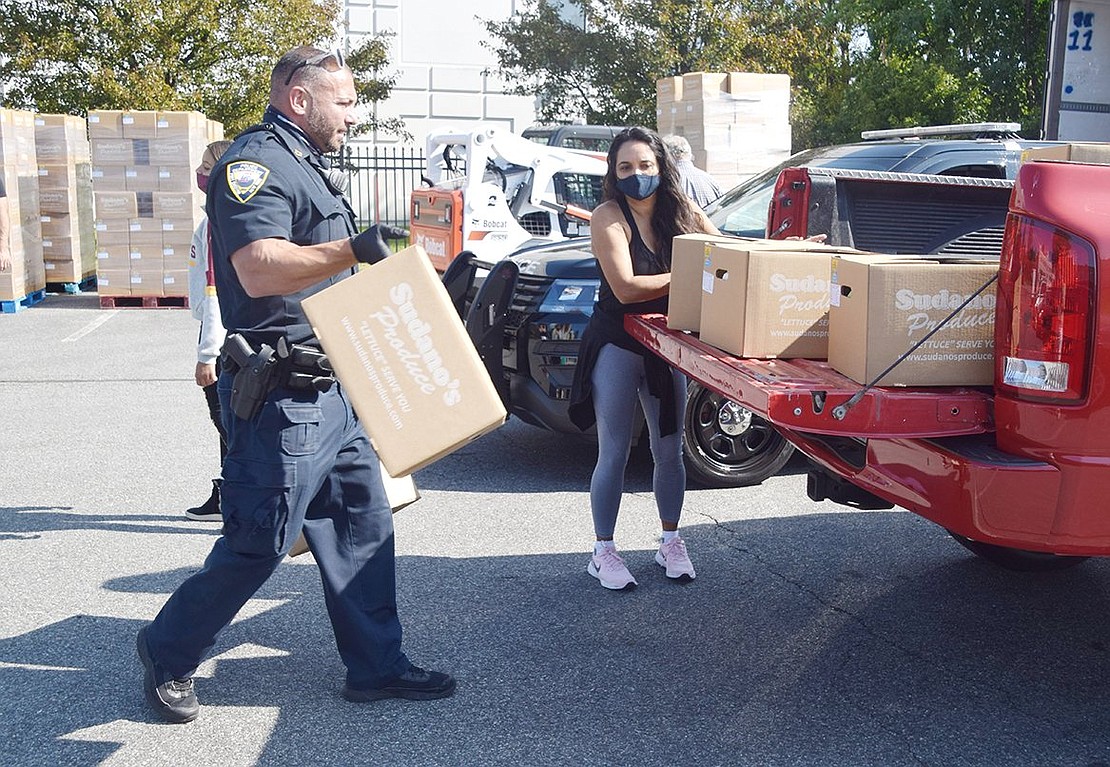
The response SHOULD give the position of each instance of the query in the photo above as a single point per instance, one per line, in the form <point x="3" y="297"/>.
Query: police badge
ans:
<point x="245" y="178"/>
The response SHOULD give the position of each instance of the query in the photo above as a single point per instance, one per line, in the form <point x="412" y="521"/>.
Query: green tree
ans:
<point x="853" y="64"/>
<point x="212" y="56"/>
<point x="994" y="51"/>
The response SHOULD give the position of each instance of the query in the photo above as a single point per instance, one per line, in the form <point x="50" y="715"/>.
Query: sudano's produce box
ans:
<point x="689" y="256"/>
<point x="882" y="305"/>
<point x="401" y="352"/>
<point x="767" y="298"/>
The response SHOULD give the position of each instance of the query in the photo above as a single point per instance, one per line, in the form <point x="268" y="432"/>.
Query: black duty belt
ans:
<point x="259" y="372"/>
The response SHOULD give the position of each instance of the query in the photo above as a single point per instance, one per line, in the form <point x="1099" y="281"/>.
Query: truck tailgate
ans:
<point x="809" y="396"/>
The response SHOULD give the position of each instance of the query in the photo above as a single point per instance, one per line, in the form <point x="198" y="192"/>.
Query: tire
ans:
<point x="725" y="445"/>
<point x="1018" y="560"/>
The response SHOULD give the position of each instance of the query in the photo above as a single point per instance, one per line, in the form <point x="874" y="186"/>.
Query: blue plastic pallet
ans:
<point x="87" y="285"/>
<point x="29" y="300"/>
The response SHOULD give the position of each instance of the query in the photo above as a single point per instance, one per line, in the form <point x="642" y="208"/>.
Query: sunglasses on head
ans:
<point x="318" y="61"/>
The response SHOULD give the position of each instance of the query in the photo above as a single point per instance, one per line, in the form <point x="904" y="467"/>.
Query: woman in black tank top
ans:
<point x="631" y="232"/>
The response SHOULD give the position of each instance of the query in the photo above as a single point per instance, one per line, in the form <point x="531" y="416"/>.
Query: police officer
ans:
<point x="282" y="231"/>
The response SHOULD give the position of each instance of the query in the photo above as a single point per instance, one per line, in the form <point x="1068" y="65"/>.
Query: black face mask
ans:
<point x="638" y="186"/>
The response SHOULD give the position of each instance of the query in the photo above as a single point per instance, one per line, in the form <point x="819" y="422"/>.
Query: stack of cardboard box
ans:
<point x="26" y="279"/>
<point x="863" y="312"/>
<point x="65" y="199"/>
<point x="737" y="123"/>
<point x="145" y="198"/>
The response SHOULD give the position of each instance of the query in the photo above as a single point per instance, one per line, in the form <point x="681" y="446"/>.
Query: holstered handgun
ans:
<point x="255" y="376"/>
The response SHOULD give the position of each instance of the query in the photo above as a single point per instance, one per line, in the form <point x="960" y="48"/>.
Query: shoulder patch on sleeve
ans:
<point x="245" y="178"/>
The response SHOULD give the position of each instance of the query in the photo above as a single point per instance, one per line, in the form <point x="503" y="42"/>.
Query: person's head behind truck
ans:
<point x="678" y="146"/>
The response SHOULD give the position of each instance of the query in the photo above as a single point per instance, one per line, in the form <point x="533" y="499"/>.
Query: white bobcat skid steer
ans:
<point x="492" y="192"/>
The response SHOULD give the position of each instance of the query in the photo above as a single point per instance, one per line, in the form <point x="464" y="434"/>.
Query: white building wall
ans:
<point x="439" y="61"/>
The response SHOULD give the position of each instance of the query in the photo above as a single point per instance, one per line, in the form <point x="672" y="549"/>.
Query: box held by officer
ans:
<point x="882" y="305"/>
<point x="401" y="352"/>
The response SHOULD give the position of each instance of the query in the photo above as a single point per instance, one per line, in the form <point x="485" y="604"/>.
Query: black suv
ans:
<point x="528" y="320"/>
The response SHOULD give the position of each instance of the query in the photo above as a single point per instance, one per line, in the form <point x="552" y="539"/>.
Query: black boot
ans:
<point x="209" y="511"/>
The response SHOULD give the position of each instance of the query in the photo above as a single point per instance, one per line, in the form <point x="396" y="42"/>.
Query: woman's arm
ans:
<point x="610" y="236"/>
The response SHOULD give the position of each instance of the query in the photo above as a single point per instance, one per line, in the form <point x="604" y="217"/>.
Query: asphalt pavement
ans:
<point x="813" y="635"/>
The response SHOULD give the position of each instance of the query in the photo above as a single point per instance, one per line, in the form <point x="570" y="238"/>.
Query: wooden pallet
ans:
<point x="144" y="302"/>
<point x="86" y="285"/>
<point x="11" y="307"/>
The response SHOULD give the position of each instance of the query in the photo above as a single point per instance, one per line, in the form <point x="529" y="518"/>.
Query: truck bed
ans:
<point x="809" y="396"/>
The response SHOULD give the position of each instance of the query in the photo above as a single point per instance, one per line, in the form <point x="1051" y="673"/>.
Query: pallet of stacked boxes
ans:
<point x="66" y="203"/>
<point x="146" y="203"/>
<point x="24" y="284"/>
<point x="737" y="123"/>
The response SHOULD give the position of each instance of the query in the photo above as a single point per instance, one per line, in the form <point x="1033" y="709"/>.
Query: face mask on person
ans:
<point x="202" y="182"/>
<point x="638" y="186"/>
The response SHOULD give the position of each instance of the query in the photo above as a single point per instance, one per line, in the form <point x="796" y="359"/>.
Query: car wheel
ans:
<point x="1017" y="559"/>
<point x="726" y="445"/>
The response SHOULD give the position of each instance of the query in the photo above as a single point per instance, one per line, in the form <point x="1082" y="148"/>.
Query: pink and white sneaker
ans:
<point x="674" y="558"/>
<point x="610" y="571"/>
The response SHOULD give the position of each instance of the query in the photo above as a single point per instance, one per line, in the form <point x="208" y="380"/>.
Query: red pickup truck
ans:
<point x="1017" y="472"/>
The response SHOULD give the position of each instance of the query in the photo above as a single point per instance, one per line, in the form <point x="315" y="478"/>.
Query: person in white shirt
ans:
<point x="206" y="308"/>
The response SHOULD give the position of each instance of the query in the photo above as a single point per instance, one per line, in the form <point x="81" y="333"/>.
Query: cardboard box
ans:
<point x="142" y="124"/>
<point x="115" y="205"/>
<point x="141" y="178"/>
<point x="179" y="151"/>
<point x="175" y="282"/>
<point x="1091" y="153"/>
<point x="697" y="86"/>
<point x="17" y="138"/>
<point x="113" y="282"/>
<point x="174" y="124"/>
<point x="401" y="352"/>
<point x="668" y="89"/>
<point x="178" y="205"/>
<point x="882" y="305"/>
<point x="767" y="302"/>
<point x="113" y="258"/>
<point x="61" y="139"/>
<point x="55" y="225"/>
<point x="64" y="270"/>
<point x="113" y="151"/>
<point x="109" y="178"/>
<point x="178" y="179"/>
<point x="105" y="123"/>
<point x="689" y="255"/>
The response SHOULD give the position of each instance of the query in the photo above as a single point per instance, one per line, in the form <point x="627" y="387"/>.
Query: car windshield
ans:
<point x="742" y="211"/>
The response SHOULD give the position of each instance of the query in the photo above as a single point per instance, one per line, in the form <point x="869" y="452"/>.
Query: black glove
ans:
<point x="369" y="245"/>
<point x="393" y="232"/>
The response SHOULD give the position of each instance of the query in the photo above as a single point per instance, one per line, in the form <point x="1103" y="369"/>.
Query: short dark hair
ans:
<point x="301" y="64"/>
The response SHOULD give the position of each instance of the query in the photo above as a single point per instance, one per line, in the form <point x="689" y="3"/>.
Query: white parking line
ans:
<point x="91" y="326"/>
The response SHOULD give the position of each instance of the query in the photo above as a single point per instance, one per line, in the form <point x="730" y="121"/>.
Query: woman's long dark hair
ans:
<point x="674" y="212"/>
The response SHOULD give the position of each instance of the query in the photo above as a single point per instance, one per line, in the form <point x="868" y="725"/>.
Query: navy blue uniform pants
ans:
<point x="303" y="462"/>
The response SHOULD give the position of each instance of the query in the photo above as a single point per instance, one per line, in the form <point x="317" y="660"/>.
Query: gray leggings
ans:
<point x="618" y="379"/>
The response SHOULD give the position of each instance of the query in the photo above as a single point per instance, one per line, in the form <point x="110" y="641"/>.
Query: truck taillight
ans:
<point x="787" y="216"/>
<point x="1045" y="312"/>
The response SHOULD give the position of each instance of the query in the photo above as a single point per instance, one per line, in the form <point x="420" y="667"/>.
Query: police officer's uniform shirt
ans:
<point x="270" y="184"/>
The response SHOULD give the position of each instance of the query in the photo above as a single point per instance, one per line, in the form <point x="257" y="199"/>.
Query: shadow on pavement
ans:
<point x="827" y="639"/>
<point x="20" y="522"/>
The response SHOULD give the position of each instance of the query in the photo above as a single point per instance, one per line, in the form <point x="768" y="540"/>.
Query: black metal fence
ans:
<point x="382" y="178"/>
